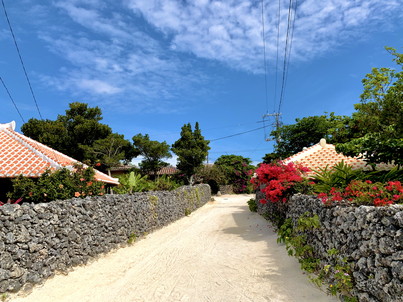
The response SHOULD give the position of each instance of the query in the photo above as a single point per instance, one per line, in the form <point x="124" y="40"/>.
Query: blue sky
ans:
<point x="154" y="65"/>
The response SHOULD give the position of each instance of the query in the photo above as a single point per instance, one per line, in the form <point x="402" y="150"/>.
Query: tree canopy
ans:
<point x="79" y="134"/>
<point x="191" y="149"/>
<point x="110" y="151"/>
<point x="306" y="132"/>
<point x="237" y="170"/>
<point x="153" y="153"/>
<point x="376" y="127"/>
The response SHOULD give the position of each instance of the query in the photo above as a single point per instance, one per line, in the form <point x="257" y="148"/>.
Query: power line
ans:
<point x="292" y="35"/>
<point x="239" y="151"/>
<point x="278" y="40"/>
<point x="264" y="58"/>
<point x="22" y="62"/>
<point x="216" y="139"/>
<point x="12" y="100"/>
<point x="287" y="49"/>
<point x="231" y="126"/>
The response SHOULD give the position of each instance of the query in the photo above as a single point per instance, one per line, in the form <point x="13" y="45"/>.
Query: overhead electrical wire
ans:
<point x="277" y="47"/>
<point x="12" y="100"/>
<point x="264" y="59"/>
<point x="21" y="60"/>
<point x="236" y="134"/>
<point x="287" y="48"/>
<point x="291" y="40"/>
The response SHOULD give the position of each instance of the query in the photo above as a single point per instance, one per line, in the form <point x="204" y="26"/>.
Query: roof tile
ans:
<point x="21" y="155"/>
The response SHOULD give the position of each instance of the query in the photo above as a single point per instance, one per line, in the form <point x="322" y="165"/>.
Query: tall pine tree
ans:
<point x="191" y="149"/>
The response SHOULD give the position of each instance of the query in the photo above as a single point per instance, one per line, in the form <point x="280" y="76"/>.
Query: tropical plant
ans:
<point x="61" y="184"/>
<point x="133" y="182"/>
<point x="338" y="176"/>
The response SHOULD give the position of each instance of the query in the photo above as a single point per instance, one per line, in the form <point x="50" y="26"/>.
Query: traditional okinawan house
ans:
<point x="322" y="155"/>
<point x="21" y="155"/>
<point x="168" y="170"/>
<point x="117" y="171"/>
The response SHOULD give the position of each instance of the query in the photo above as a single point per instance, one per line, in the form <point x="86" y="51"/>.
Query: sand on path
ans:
<point x="221" y="252"/>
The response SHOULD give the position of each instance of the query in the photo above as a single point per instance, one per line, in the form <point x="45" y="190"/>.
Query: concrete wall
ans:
<point x="37" y="240"/>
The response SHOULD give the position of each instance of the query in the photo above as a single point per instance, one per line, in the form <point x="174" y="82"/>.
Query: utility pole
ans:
<point x="276" y="124"/>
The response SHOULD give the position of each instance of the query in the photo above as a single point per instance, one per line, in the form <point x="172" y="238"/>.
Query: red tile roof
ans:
<point x="21" y="155"/>
<point x="169" y="170"/>
<point x="323" y="154"/>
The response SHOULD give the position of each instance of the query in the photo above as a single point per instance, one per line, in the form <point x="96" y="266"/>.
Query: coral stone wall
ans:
<point x="371" y="238"/>
<point x="37" y="240"/>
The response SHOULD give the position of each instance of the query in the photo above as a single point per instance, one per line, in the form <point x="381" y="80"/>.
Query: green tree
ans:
<point x="51" y="133"/>
<point x="110" y="151"/>
<point x="237" y="170"/>
<point x="308" y="131"/>
<point x="377" y="125"/>
<point x="191" y="149"/>
<point x="75" y="133"/>
<point x="153" y="153"/>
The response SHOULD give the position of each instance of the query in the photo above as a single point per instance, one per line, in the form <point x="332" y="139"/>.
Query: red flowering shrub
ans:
<point x="278" y="180"/>
<point x="365" y="192"/>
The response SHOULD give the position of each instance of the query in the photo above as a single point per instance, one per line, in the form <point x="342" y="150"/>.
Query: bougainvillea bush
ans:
<point x="365" y="193"/>
<point x="61" y="184"/>
<point x="277" y="180"/>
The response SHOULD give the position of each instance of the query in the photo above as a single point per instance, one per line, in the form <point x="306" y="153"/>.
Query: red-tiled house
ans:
<point x="21" y="155"/>
<point x="168" y="170"/>
<point x="323" y="154"/>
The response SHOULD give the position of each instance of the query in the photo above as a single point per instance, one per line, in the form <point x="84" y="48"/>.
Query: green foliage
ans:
<point x="237" y="170"/>
<point x="252" y="205"/>
<point x="306" y="132"/>
<point x="165" y="183"/>
<point x="205" y="173"/>
<point x="296" y="240"/>
<point x="110" y="151"/>
<point x="132" y="238"/>
<point x="61" y="184"/>
<point x="153" y="153"/>
<point x="270" y="158"/>
<point x="339" y="276"/>
<point x="384" y="176"/>
<point x="377" y="125"/>
<point x="191" y="149"/>
<point x="135" y="182"/>
<point x="71" y="132"/>
<point x="187" y="212"/>
<point x="338" y="176"/>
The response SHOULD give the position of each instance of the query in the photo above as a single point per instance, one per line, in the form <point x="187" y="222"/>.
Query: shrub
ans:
<point x="338" y="176"/>
<point x="61" y="184"/>
<point x="252" y="205"/>
<point x="277" y="180"/>
<point x="133" y="182"/>
<point x="365" y="193"/>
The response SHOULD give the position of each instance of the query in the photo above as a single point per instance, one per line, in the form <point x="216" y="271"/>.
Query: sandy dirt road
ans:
<point x="221" y="252"/>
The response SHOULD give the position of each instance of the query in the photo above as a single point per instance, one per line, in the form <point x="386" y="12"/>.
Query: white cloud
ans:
<point x="230" y="31"/>
<point x="111" y="56"/>
<point x="97" y="86"/>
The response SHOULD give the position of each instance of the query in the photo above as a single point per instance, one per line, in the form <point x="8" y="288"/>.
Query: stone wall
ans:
<point x="371" y="238"/>
<point x="38" y="240"/>
<point x="226" y="189"/>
